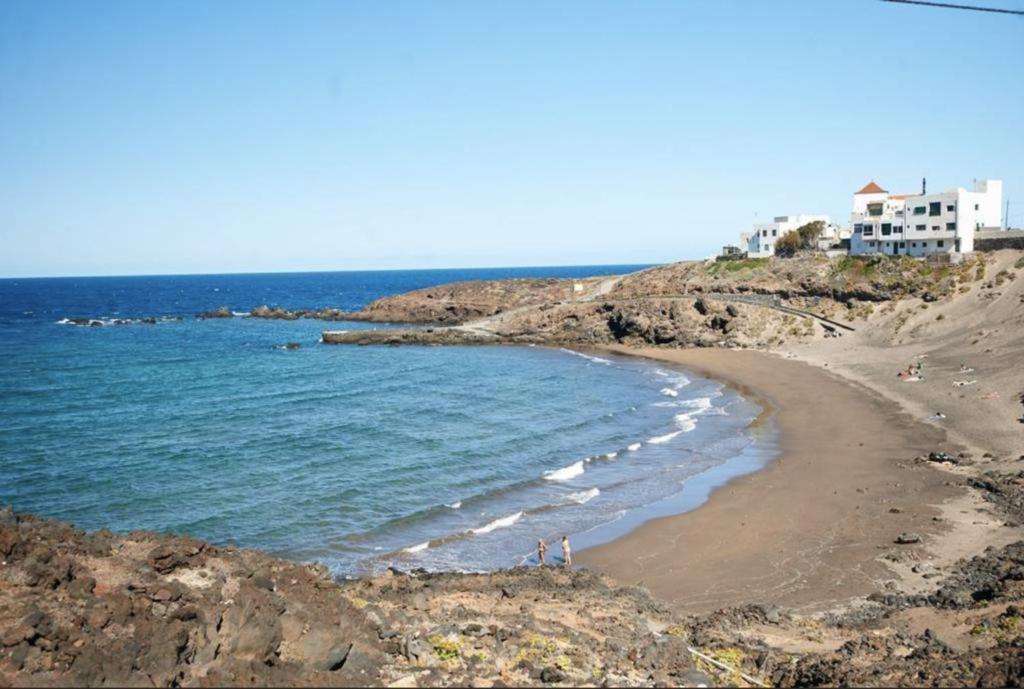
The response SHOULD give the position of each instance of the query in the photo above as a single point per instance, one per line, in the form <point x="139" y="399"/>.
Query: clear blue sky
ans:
<point x="171" y="137"/>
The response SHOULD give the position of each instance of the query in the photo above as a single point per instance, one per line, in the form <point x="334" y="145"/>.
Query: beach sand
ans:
<point x="816" y="528"/>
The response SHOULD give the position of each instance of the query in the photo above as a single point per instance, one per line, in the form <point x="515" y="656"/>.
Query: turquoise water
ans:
<point x="358" y="457"/>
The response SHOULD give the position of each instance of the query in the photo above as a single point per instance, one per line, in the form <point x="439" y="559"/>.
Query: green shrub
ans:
<point x="445" y="649"/>
<point x="788" y="244"/>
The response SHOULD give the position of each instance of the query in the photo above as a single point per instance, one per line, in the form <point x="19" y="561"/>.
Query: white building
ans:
<point x="760" y="243"/>
<point x="922" y="224"/>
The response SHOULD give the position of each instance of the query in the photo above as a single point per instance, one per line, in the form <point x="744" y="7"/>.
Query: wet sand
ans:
<point x="808" y="531"/>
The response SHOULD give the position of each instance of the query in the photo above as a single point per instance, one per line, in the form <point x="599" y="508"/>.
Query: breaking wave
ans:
<point x="595" y="359"/>
<point x="565" y="473"/>
<point x="584" y="496"/>
<point x="499" y="523"/>
<point x="658" y="440"/>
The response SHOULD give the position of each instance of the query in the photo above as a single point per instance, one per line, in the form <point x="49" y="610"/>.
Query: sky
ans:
<point x="210" y="137"/>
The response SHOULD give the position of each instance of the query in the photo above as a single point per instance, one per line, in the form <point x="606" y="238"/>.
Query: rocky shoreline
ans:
<point x="97" y="608"/>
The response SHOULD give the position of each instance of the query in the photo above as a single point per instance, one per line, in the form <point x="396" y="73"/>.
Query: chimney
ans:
<point x="924" y="186"/>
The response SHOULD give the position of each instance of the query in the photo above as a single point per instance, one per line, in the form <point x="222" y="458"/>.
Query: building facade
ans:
<point x="760" y="242"/>
<point x="923" y="224"/>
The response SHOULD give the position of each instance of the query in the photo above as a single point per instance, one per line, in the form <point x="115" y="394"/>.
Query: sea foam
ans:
<point x="595" y="359"/>
<point x="685" y="423"/>
<point x="584" y="496"/>
<point x="565" y="473"/>
<point x="498" y="523"/>
<point x="634" y="447"/>
<point x="658" y="440"/>
<point x="417" y="548"/>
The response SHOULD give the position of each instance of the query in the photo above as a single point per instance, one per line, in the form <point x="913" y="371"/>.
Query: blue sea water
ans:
<point x="358" y="457"/>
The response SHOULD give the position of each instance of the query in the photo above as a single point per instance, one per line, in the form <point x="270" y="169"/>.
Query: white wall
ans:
<point x="959" y="214"/>
<point x="763" y="237"/>
<point x="989" y="195"/>
<point x="861" y="201"/>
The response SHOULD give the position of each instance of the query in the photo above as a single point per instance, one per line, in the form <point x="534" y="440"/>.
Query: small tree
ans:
<point x="802" y="238"/>
<point x="810" y="233"/>
<point x="788" y="244"/>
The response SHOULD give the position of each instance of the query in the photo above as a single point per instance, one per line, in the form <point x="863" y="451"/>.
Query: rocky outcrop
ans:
<point x="93" y="609"/>
<point x="463" y="301"/>
<point x="663" y="322"/>
<point x="845" y="280"/>
<point x="220" y="312"/>
<point x="100" y="322"/>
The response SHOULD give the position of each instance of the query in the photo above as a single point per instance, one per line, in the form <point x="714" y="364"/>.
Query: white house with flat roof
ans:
<point x="923" y="224"/>
<point x="760" y="242"/>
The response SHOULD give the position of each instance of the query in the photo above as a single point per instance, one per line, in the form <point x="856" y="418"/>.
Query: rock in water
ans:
<point x="222" y="312"/>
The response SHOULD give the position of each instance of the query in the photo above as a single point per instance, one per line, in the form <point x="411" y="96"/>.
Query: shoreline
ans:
<point x="808" y="529"/>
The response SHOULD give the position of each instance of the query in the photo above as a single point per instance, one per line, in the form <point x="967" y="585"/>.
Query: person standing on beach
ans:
<point x="542" y="550"/>
<point x="566" y="551"/>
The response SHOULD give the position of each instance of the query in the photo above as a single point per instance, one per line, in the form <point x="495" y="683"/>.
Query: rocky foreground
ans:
<point x="97" y="609"/>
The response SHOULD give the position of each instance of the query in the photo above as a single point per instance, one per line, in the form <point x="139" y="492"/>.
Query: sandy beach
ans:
<point x="817" y="526"/>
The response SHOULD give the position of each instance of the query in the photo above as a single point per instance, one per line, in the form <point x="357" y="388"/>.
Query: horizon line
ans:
<point x="343" y="270"/>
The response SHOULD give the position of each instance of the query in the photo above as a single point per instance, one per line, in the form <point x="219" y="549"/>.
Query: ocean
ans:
<point x="356" y="457"/>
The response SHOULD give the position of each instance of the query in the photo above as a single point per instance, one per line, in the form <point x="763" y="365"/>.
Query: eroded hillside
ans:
<point x="744" y="303"/>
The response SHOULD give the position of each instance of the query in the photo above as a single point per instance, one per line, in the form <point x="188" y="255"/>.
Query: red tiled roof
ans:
<point x="872" y="188"/>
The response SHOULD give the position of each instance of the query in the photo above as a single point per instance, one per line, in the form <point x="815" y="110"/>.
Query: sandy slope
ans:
<point x="815" y="527"/>
<point x="982" y="328"/>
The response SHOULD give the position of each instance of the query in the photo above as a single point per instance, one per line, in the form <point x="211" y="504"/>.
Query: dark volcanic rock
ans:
<point x="222" y="312"/>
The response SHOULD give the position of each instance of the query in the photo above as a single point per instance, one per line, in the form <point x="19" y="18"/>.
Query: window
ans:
<point x="951" y="226"/>
<point x="775" y="233"/>
<point x="919" y="210"/>
<point x="920" y="228"/>
<point x="764" y="233"/>
<point x="857" y="229"/>
<point x="874" y="209"/>
<point x="951" y="207"/>
<point x="886" y="229"/>
<point x="976" y="207"/>
<point x="869" y="230"/>
<point x="913" y="245"/>
<point x="767" y="247"/>
<point x="935" y="208"/>
<point x="940" y="243"/>
<point x="903" y="245"/>
<point x="897" y="228"/>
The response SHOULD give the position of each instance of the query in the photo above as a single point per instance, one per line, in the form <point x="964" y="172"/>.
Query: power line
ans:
<point x="951" y="6"/>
